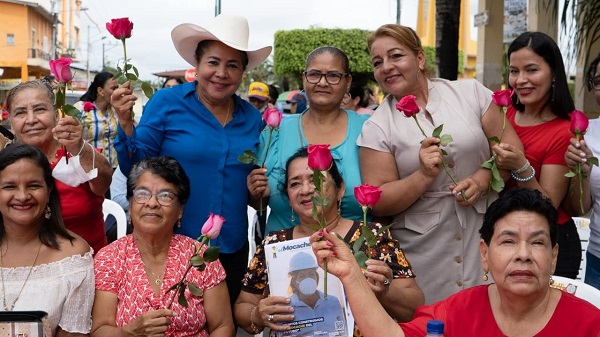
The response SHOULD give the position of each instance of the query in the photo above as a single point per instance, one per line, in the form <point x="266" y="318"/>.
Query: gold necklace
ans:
<point x="12" y="306"/>
<point x="200" y="97"/>
<point x="158" y="281"/>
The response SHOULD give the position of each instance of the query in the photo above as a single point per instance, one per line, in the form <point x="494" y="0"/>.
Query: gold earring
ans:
<point x="485" y="277"/>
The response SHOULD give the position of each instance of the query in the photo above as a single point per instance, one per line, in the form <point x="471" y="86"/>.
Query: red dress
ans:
<point x="119" y="269"/>
<point x="82" y="210"/>
<point x="469" y="313"/>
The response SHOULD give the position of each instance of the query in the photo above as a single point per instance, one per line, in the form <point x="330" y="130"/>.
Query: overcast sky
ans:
<point x="150" y="46"/>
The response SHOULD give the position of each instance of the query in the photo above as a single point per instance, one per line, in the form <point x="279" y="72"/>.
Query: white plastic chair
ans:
<point x="577" y="288"/>
<point x="583" y="229"/>
<point x="111" y="207"/>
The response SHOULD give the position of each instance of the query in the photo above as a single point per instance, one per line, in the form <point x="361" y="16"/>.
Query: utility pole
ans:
<point x="87" y="62"/>
<point x="54" y="31"/>
<point x="217" y="7"/>
<point x="398" y="11"/>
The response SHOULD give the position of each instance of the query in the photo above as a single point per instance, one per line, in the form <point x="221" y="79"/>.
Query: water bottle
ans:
<point x="435" y="328"/>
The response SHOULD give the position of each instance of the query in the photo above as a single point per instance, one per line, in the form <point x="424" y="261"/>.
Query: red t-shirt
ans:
<point x="82" y="211"/>
<point x="544" y="144"/>
<point x="469" y="313"/>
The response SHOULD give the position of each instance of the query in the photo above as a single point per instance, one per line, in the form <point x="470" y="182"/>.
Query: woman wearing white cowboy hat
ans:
<point x="205" y="126"/>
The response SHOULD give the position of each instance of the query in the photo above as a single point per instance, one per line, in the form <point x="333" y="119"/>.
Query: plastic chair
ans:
<point x="577" y="288"/>
<point x="111" y="207"/>
<point x="583" y="229"/>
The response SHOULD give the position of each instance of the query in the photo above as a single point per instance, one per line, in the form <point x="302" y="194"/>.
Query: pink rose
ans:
<point x="120" y="28"/>
<point x="502" y="97"/>
<point x="367" y="195"/>
<point x="319" y="157"/>
<point x="579" y="123"/>
<point x="61" y="68"/>
<point x="408" y="106"/>
<point x="272" y="117"/>
<point x="88" y="106"/>
<point x="212" y="226"/>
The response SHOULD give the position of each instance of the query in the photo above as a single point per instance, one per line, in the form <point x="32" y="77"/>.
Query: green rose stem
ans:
<point x="324" y="227"/>
<point x="125" y="68"/>
<point x="580" y="176"/>
<point x="489" y="191"/>
<point x="446" y="169"/>
<point x="260" y="211"/>
<point x="181" y="283"/>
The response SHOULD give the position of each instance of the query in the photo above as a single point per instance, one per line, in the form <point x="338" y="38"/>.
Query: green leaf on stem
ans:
<point x="361" y="259"/>
<point x="211" y="254"/>
<point x="315" y="215"/>
<point x="196" y="261"/>
<point x="128" y="67"/>
<point x="70" y="110"/>
<point x="195" y="290"/>
<point x="147" y="89"/>
<point x="488" y="163"/>
<point x="369" y="236"/>
<point x="437" y="131"/>
<point x="131" y="77"/>
<point x="570" y="174"/>
<point x="358" y="243"/>
<point x="444" y="153"/>
<point x="248" y="157"/>
<point x="593" y="161"/>
<point x="384" y="228"/>
<point x="181" y="299"/>
<point x="493" y="139"/>
<point x="135" y="71"/>
<point x="445" y="140"/>
<point x="317" y="181"/>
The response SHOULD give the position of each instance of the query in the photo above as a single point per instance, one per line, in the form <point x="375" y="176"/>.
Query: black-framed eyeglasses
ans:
<point x="332" y="77"/>
<point x="164" y="198"/>
<point x="595" y="82"/>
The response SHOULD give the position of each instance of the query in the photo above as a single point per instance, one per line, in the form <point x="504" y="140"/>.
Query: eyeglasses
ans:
<point x="595" y="82"/>
<point x="332" y="77"/>
<point x="164" y="198"/>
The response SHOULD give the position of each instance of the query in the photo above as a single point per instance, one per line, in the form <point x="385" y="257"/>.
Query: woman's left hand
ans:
<point x="469" y="188"/>
<point x="69" y="133"/>
<point x="379" y="276"/>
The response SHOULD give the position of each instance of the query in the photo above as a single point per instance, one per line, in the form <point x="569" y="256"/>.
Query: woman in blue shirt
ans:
<point x="205" y="126"/>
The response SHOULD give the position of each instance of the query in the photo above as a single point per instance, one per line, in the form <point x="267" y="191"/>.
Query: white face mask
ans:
<point x="72" y="173"/>
<point x="308" y="286"/>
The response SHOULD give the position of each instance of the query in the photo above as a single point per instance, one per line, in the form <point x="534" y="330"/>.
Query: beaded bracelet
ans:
<point x="523" y="180"/>
<point x="522" y="169"/>
<point x="255" y="329"/>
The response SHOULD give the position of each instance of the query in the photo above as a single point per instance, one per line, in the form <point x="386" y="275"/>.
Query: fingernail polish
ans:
<point x="329" y="244"/>
<point x="320" y="233"/>
<point x="334" y="253"/>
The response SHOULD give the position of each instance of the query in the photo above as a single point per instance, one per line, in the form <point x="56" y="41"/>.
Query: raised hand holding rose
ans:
<point x="210" y="230"/>
<point x="502" y="99"/>
<point x="409" y="108"/>
<point x="367" y="197"/>
<point x="578" y="127"/>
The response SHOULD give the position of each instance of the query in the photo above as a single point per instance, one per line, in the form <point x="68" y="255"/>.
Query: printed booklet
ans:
<point x="294" y="273"/>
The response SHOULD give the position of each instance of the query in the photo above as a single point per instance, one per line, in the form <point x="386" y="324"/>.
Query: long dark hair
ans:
<point x="54" y="225"/>
<point x="560" y="100"/>
<point x="99" y="81"/>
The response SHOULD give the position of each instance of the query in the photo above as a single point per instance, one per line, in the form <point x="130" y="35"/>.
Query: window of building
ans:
<point x="10" y="39"/>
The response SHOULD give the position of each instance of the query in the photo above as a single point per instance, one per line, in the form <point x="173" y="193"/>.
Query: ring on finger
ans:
<point x="68" y="135"/>
<point x="270" y="318"/>
<point x="386" y="282"/>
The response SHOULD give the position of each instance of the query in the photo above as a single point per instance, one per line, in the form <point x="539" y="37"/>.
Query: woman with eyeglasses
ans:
<point x="577" y="153"/>
<point x="435" y="220"/>
<point x="134" y="273"/>
<point x="326" y="80"/>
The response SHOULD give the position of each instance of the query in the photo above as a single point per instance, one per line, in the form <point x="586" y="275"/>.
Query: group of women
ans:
<point x="436" y="221"/>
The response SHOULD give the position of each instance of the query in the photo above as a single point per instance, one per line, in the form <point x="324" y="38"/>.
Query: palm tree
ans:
<point x="585" y="32"/>
<point x="447" y="23"/>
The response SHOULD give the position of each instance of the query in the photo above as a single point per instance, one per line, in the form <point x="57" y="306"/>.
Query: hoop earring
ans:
<point x="485" y="277"/>
<point x="47" y="212"/>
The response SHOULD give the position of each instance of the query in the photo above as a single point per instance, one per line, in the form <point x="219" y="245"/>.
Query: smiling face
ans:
<point x="23" y="194"/>
<point x="301" y="189"/>
<point x="32" y="117"/>
<point x="396" y="68"/>
<point x="150" y="216"/>
<point x="520" y="255"/>
<point x="531" y="77"/>
<point x="219" y="72"/>
<point x="322" y="94"/>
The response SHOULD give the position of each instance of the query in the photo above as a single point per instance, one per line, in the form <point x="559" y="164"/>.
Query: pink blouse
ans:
<point x="119" y="269"/>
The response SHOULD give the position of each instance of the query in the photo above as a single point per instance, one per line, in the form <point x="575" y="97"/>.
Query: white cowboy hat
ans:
<point x="231" y="30"/>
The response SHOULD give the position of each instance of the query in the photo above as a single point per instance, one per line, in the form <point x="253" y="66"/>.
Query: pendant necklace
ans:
<point x="228" y="108"/>
<point x="12" y="306"/>
<point x="158" y="281"/>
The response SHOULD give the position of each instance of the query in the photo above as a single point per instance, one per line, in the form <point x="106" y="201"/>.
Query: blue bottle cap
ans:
<point x="435" y="326"/>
